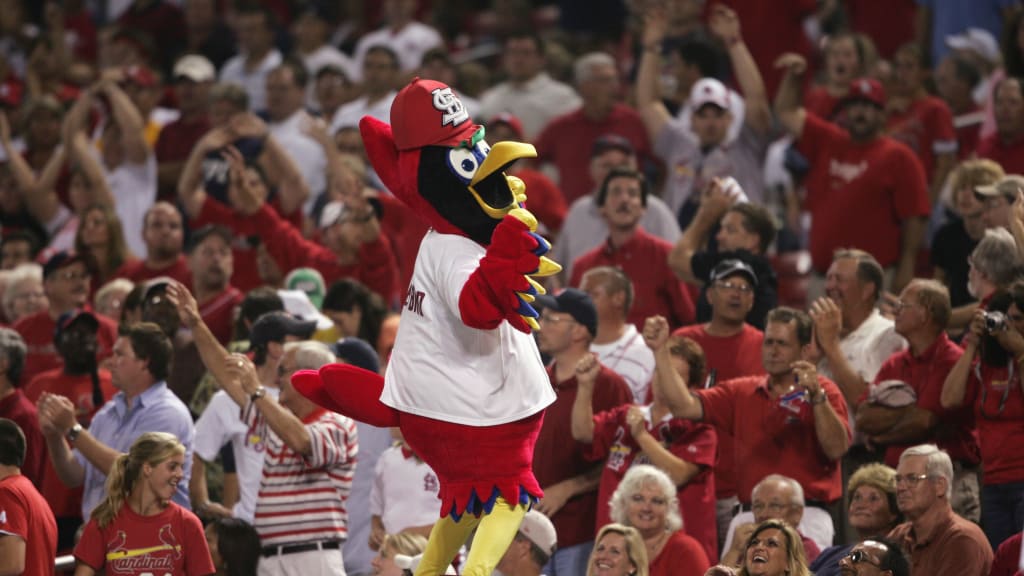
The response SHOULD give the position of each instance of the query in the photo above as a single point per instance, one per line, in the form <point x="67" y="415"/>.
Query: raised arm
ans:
<point x="954" y="389"/>
<point x="714" y="205"/>
<point x="587" y="370"/>
<point x="788" y="108"/>
<point x="190" y="183"/>
<point x="215" y="357"/>
<point x="286" y="425"/>
<point x="831" y="431"/>
<point x="680" y="401"/>
<point x="282" y="172"/>
<point x="725" y="24"/>
<point x="41" y="204"/>
<point x="827" y="324"/>
<point x="679" y="470"/>
<point x="648" y="101"/>
<point x="128" y="120"/>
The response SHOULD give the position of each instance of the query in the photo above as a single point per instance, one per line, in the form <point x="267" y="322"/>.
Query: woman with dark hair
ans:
<point x="100" y="235"/>
<point x="988" y="377"/>
<point x="355" y="310"/>
<point x="136" y="524"/>
<point x="774" y="549"/>
<point x="234" y="547"/>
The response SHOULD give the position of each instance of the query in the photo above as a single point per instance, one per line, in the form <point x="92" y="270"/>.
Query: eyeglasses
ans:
<point x="910" y="479"/>
<point x="860" y="556"/>
<point x="555" y="320"/>
<point x="735" y="286"/>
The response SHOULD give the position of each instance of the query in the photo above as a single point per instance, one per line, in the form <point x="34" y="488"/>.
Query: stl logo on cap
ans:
<point x="454" y="112"/>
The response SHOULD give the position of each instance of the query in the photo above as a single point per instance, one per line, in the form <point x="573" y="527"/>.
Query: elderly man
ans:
<point x="776" y="497"/>
<point x="531" y="548"/>
<point x="937" y="540"/>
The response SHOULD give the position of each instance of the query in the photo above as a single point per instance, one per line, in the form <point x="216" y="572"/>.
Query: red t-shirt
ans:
<point x="38" y="329"/>
<point x="67" y="502"/>
<point x="567" y="141"/>
<point x="22" y="410"/>
<point x="851" y="184"/>
<point x="656" y="289"/>
<point x="175" y="143"/>
<point x="171" y="542"/>
<point x="926" y="126"/>
<point x="544" y="199"/>
<point x="690" y="441"/>
<point x="1009" y="155"/>
<point x="137" y="271"/>
<point x="999" y="427"/>
<point x="968" y="133"/>
<point x="774" y="436"/>
<point x="730" y="357"/>
<point x="820" y="102"/>
<point x="681" y="556"/>
<point x="218" y="313"/>
<point x="557" y="457"/>
<point x="926" y="374"/>
<point x="25" y="515"/>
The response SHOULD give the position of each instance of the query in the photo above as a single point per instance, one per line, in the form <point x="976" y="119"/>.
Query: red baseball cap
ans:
<point x="509" y="120"/>
<point x="428" y="113"/>
<point x="866" y="89"/>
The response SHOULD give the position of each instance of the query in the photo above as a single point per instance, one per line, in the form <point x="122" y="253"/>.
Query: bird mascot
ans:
<point x="465" y="383"/>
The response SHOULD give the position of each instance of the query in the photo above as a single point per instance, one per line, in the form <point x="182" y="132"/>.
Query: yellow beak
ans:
<point x="501" y="156"/>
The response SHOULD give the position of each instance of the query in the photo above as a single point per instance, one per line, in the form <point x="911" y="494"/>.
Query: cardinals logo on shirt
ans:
<point x="122" y="559"/>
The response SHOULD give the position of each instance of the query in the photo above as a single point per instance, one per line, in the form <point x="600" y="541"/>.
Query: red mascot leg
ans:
<point x="347" y="390"/>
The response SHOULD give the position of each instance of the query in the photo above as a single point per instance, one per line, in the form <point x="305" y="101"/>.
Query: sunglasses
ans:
<point x="860" y="556"/>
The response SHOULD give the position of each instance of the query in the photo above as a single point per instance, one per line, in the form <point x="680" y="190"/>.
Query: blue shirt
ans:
<point x="954" y="16"/>
<point x="118" y="425"/>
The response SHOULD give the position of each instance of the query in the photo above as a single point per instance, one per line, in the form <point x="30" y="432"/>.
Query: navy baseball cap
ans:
<point x="67" y="319"/>
<point x="276" y="326"/>
<point x="575" y="303"/>
<point x="731" y="267"/>
<point x="357" y="352"/>
<point x="61" y="259"/>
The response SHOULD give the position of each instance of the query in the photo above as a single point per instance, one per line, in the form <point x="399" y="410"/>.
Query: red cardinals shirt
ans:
<point x="25" y="515"/>
<point x="1009" y="155"/>
<point x="38" y="329"/>
<point x="926" y="126"/>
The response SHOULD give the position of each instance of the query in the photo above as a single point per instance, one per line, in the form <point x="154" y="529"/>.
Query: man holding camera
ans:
<point x="903" y="407"/>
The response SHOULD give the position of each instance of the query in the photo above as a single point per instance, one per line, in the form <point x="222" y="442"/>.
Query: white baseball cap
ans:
<point x="196" y="68"/>
<point x="709" y="91"/>
<point x="539" y="530"/>
<point x="977" y="40"/>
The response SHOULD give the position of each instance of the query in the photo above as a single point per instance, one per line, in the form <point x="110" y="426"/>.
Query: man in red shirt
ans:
<point x="922" y="315"/>
<point x="1006" y="146"/>
<point x="66" y="283"/>
<point x="28" y="532"/>
<point x="164" y="237"/>
<point x="212" y="264"/>
<point x="193" y="77"/>
<point x="15" y="406"/>
<point x="622" y="200"/>
<point x="569" y="323"/>
<point x="791" y="421"/>
<point x="857" y="175"/>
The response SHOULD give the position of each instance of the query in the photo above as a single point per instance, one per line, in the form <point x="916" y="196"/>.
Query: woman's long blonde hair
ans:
<point x="150" y="448"/>
<point x="636" y="550"/>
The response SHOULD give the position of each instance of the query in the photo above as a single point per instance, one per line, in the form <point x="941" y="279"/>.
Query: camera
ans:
<point x="995" y="321"/>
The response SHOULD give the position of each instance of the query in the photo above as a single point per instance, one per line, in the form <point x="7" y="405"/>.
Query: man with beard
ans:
<point x="622" y="200"/>
<point x="212" y="264"/>
<point x="857" y="175"/>
<point x="162" y="233"/>
<point x="66" y="283"/>
<point x="88" y="387"/>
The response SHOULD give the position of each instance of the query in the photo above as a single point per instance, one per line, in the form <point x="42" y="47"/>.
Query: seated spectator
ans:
<point x="745" y="232"/>
<point x="140" y="487"/>
<point x="532" y="547"/>
<point x="16" y="248"/>
<point x="777" y="497"/>
<point x="164" y="237"/>
<point x="881" y="553"/>
<point x="618" y="345"/>
<point x="1007" y="557"/>
<point x="405" y="544"/>
<point x="28" y="533"/>
<point x="772" y="550"/>
<point x="18" y="408"/>
<point x="584" y="226"/>
<point x="101" y="236"/>
<point x="404" y="497"/>
<point x="646" y="500"/>
<point x="618" y="551"/>
<point x="937" y="540"/>
<point x="872" y="514"/>
<point x="234" y="546"/>
<point x="380" y="76"/>
<point x="24" y="294"/>
<point x="110" y="298"/>
<point x="254" y="29"/>
<point x="642" y="257"/>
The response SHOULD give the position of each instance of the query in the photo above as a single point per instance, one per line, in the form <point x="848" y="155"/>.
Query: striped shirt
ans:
<point x="303" y="499"/>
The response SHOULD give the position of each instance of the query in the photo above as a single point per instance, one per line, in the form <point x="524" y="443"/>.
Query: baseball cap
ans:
<point x="732" y="266"/>
<point x="611" y="142"/>
<point x="575" y="303"/>
<point x="298" y="304"/>
<point x="62" y="259"/>
<point x="865" y="90"/>
<point x="893" y="394"/>
<point x="709" y="91"/>
<point x="140" y="76"/>
<point x="357" y="352"/>
<point x="307" y="280"/>
<point x="195" y="67"/>
<point x="275" y="326"/>
<point x="1009" y="186"/>
<point x="539" y="530"/>
<point x="428" y="113"/>
<point x="67" y="319"/>
<point x="509" y="120"/>
<point x="199" y="236"/>
<point x="977" y="40"/>
<point x="409" y="564"/>
<point x="156" y="287"/>
<point x="331" y="213"/>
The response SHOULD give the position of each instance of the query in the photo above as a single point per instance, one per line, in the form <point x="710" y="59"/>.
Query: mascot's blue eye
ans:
<point x="468" y="165"/>
<point x="463" y="163"/>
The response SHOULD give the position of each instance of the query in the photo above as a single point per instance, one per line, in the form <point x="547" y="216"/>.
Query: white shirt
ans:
<point x="254" y="82"/>
<point x="405" y="492"/>
<point x="350" y="114"/>
<point x="630" y="358"/>
<point x="445" y="370"/>
<point x="323" y="56"/>
<point x="410" y="44"/>
<point x="221" y="423"/>
<point x="737" y="107"/>
<point x="535" y="103"/>
<point x="308" y="155"/>
<point x="134" y="189"/>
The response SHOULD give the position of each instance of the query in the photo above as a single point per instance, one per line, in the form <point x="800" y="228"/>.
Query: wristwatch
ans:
<point x="819" y="398"/>
<point x="259" y="393"/>
<point x="73" y="433"/>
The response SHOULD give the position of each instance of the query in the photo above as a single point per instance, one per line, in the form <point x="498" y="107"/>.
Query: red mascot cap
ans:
<point x="428" y="113"/>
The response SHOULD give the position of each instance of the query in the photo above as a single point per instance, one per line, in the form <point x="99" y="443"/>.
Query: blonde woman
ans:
<point x="774" y="549"/>
<point x="618" y="551"/>
<point x="136" y="529"/>
<point x="405" y="543"/>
